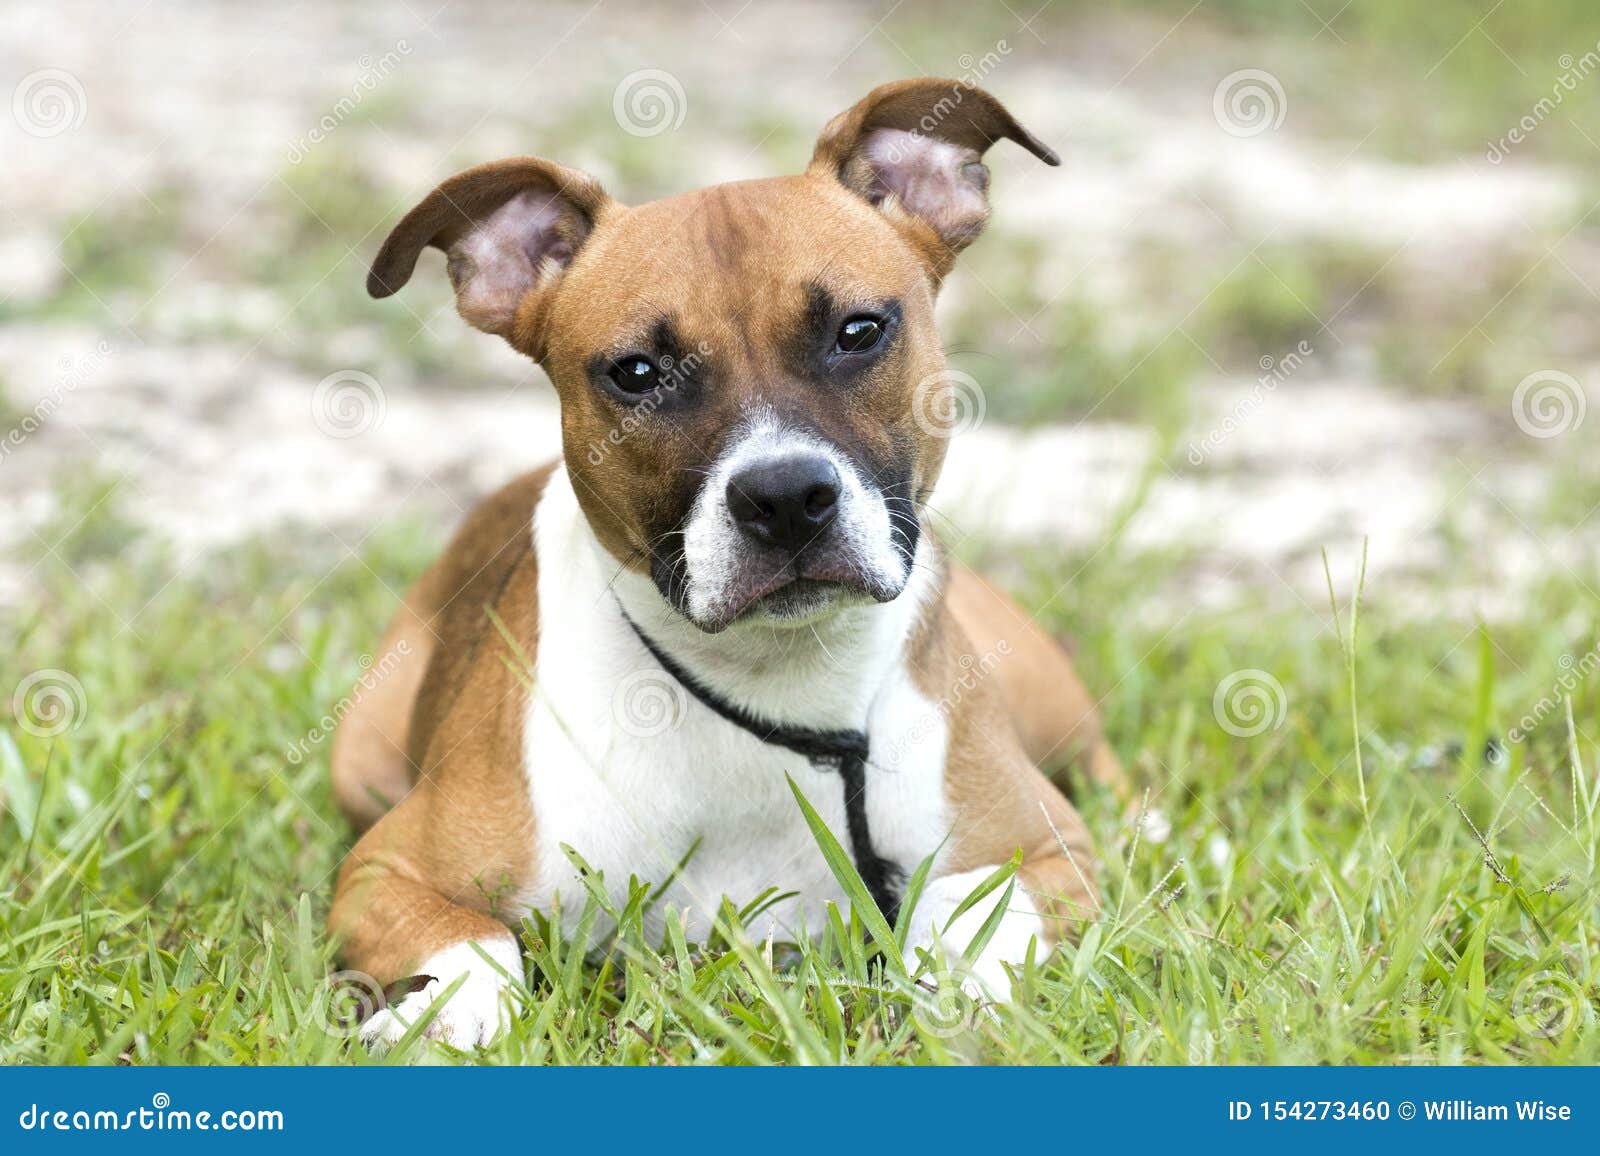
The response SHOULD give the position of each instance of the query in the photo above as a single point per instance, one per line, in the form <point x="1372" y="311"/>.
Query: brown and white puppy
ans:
<point x="745" y="374"/>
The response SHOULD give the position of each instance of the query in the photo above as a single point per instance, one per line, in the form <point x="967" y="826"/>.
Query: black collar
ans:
<point x="844" y="751"/>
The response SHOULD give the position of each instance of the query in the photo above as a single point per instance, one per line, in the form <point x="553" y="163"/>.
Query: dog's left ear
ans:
<point x="915" y="149"/>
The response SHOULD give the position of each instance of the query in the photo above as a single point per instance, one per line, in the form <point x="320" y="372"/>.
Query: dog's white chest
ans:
<point x="629" y="770"/>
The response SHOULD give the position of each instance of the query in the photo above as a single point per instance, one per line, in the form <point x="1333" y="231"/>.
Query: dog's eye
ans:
<point x="860" y="334"/>
<point x="635" y="375"/>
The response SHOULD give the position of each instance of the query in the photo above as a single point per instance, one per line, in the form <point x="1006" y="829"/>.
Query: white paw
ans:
<point x="472" y="1017"/>
<point x="983" y="978"/>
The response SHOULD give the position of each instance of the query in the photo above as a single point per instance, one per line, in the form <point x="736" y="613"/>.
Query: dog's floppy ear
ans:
<point x="507" y="228"/>
<point x="915" y="149"/>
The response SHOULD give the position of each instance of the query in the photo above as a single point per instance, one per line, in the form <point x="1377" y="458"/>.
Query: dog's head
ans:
<point x="751" y="384"/>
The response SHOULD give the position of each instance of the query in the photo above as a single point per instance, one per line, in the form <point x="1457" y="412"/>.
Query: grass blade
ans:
<point x="844" y="871"/>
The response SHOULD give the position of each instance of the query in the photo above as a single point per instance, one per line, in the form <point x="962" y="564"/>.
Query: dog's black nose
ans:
<point x="786" y="502"/>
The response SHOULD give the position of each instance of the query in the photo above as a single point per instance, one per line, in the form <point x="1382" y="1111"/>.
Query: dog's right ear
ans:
<point x="508" y="229"/>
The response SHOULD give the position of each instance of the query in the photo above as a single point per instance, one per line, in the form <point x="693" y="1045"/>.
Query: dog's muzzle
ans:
<point x="785" y="528"/>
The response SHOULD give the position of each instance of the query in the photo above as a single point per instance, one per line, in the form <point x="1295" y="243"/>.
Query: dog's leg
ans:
<point x="1053" y="714"/>
<point x="371" y="770"/>
<point x="427" y="890"/>
<point x="1053" y="898"/>
<point x="392" y="923"/>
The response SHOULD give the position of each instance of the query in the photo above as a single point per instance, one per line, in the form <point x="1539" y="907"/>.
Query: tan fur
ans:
<point x="1052" y="713"/>
<point x="740" y="299"/>
<point x="407" y="890"/>
<point x="1002" y="801"/>
<point x="431" y="872"/>
<point x="440" y="738"/>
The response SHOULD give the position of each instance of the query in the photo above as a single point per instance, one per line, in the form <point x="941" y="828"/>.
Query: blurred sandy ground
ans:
<point x="193" y="191"/>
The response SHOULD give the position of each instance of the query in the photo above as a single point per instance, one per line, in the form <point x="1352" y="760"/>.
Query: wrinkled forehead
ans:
<point x="734" y="263"/>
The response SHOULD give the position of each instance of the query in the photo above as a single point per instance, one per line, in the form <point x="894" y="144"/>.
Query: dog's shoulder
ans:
<point x="489" y="570"/>
<point x="494" y="532"/>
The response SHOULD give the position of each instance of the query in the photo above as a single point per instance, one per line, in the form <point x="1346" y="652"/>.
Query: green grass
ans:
<point x="167" y="869"/>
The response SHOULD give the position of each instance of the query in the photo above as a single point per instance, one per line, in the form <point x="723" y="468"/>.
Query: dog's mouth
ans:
<point x="801" y="592"/>
<point x="797" y="596"/>
<point x="793" y="593"/>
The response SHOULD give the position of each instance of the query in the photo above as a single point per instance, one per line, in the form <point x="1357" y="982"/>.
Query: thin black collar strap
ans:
<point x="844" y="751"/>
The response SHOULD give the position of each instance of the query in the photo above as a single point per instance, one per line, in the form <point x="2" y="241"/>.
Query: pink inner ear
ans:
<point x="940" y="182"/>
<point x="497" y="261"/>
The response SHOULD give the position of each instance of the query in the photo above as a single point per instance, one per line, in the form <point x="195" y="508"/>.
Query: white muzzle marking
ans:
<point x="717" y="554"/>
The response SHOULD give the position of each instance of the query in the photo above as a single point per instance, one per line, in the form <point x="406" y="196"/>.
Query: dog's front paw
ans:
<point x="472" y="1017"/>
<point x="984" y="978"/>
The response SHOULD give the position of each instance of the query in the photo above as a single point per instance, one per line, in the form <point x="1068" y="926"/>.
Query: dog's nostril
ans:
<point x="786" y="502"/>
<point x="820" y="499"/>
